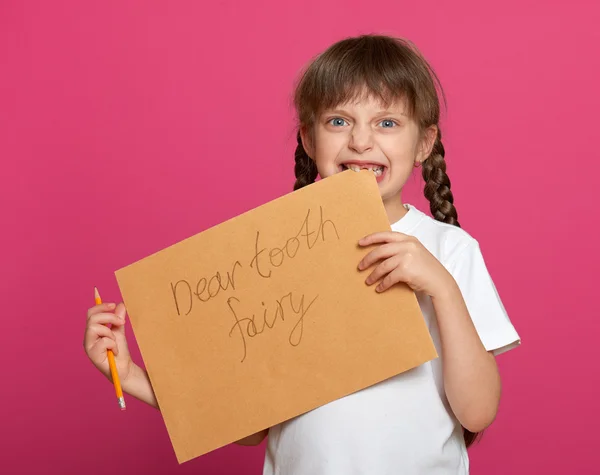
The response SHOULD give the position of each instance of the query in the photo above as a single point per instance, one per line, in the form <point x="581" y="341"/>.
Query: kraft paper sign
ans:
<point x="265" y="316"/>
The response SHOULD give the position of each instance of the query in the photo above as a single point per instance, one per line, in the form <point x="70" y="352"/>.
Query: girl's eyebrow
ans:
<point x="391" y="112"/>
<point x="377" y="114"/>
<point x="336" y="111"/>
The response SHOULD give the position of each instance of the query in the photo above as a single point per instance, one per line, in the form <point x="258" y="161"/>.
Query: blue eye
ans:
<point x="387" y="123"/>
<point x="337" y="122"/>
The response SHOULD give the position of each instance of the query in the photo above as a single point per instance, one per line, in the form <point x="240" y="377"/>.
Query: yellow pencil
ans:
<point x="112" y="365"/>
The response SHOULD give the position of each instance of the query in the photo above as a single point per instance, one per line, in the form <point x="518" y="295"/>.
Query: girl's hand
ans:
<point x="402" y="258"/>
<point x="99" y="338"/>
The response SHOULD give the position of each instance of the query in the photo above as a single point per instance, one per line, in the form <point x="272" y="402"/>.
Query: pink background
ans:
<point x="126" y="127"/>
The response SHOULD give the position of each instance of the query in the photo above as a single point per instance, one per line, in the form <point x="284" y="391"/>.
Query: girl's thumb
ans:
<point x="120" y="312"/>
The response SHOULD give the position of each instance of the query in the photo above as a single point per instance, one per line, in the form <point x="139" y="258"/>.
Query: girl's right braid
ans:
<point x="305" y="169"/>
<point x="437" y="185"/>
<point x="441" y="204"/>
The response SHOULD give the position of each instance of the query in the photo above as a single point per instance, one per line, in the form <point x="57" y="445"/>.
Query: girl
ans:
<point x="371" y="102"/>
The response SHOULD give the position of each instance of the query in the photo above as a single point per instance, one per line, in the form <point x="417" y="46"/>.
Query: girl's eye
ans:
<point x="337" y="122"/>
<point x="387" y="123"/>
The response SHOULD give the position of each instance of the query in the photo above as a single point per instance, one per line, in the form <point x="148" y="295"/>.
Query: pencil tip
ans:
<point x="96" y="293"/>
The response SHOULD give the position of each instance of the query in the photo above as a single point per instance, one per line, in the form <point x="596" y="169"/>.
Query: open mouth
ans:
<point x="377" y="169"/>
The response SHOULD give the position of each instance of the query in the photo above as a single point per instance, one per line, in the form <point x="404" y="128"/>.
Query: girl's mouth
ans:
<point x="378" y="170"/>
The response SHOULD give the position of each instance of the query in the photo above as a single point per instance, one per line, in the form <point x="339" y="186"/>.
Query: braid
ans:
<point x="441" y="203"/>
<point x="305" y="169"/>
<point x="437" y="185"/>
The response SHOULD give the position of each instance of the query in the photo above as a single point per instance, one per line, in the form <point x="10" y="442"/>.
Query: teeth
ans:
<point x="378" y="170"/>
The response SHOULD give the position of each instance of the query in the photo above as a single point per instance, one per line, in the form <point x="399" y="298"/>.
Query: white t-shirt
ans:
<point x="403" y="425"/>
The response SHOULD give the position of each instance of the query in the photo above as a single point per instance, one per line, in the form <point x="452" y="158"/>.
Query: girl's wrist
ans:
<point x="134" y="377"/>
<point x="138" y="385"/>
<point x="446" y="290"/>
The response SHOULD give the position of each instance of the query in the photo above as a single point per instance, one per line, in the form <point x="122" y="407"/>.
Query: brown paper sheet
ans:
<point x="265" y="316"/>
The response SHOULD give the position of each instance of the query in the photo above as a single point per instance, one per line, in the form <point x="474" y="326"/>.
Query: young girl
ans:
<point x="371" y="102"/>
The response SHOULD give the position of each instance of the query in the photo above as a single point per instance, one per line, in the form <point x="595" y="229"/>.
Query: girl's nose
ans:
<point x="361" y="139"/>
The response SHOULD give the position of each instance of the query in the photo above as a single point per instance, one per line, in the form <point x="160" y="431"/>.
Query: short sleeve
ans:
<point x="489" y="316"/>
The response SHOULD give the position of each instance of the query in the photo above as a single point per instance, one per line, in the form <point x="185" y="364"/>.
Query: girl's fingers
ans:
<point x="121" y="312"/>
<point x="98" y="351"/>
<point x="103" y="307"/>
<point x="105" y="319"/>
<point x="386" y="236"/>
<point x="95" y="332"/>
<point x="389" y="280"/>
<point x="102" y="331"/>
<point x="119" y="330"/>
<point x="382" y="269"/>
<point x="382" y="252"/>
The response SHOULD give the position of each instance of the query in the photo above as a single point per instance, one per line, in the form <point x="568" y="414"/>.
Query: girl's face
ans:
<point x="366" y="135"/>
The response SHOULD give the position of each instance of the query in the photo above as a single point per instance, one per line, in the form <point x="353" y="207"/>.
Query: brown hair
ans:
<point x="390" y="69"/>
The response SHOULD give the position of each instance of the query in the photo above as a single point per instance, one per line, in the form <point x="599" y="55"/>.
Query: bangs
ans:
<point x="386" y="69"/>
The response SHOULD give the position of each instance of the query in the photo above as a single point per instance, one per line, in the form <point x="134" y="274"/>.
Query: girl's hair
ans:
<point x="389" y="69"/>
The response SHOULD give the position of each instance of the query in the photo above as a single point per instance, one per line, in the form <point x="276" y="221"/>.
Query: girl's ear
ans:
<point x="427" y="143"/>
<point x="307" y="141"/>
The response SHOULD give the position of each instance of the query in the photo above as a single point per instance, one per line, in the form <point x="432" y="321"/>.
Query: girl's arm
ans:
<point x="138" y="385"/>
<point x="471" y="377"/>
<point x="135" y="381"/>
